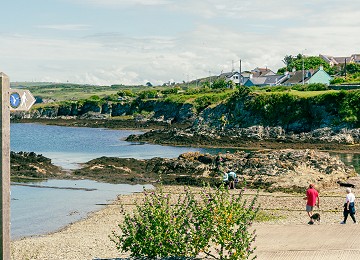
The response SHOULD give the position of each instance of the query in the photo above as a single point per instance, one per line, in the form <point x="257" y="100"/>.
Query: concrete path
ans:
<point x="310" y="242"/>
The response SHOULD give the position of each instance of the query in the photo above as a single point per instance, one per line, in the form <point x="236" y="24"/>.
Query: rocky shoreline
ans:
<point x="272" y="157"/>
<point x="259" y="137"/>
<point x="272" y="170"/>
<point x="251" y="138"/>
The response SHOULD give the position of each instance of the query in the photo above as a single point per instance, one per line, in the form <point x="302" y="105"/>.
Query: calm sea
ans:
<point x="40" y="210"/>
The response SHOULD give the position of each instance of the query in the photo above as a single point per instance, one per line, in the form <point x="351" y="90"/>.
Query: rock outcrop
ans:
<point x="290" y="170"/>
<point x="29" y="165"/>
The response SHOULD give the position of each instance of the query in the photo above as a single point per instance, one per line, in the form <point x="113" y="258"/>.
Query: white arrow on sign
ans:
<point x="21" y="100"/>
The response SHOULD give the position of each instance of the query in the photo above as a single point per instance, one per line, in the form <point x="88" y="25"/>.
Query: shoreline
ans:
<point x="88" y="238"/>
<point x="224" y="143"/>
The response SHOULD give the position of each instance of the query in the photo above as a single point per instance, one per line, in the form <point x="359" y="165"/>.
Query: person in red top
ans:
<point x="312" y="197"/>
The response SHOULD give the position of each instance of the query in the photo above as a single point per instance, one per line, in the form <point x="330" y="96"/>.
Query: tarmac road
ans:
<point x="310" y="242"/>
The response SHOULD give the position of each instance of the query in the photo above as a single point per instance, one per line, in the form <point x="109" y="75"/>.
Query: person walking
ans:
<point x="312" y="200"/>
<point x="349" y="206"/>
<point x="225" y="179"/>
<point x="232" y="177"/>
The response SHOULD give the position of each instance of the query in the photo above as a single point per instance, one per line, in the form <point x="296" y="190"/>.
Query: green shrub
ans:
<point x="337" y="80"/>
<point x="310" y="87"/>
<point x="148" y="94"/>
<point x="126" y="93"/>
<point x="161" y="227"/>
<point x="170" y="91"/>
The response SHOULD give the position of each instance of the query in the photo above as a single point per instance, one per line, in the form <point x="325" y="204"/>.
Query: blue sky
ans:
<point x="108" y="42"/>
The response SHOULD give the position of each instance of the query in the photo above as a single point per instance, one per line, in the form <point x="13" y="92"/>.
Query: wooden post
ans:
<point x="5" y="166"/>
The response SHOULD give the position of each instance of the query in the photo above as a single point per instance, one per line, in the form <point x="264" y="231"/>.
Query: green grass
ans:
<point x="65" y="91"/>
<point x="304" y="94"/>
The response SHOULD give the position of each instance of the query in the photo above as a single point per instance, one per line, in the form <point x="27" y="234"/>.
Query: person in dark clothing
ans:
<point x="349" y="206"/>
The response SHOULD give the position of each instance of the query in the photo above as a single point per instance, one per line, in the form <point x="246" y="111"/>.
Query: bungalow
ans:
<point x="308" y="77"/>
<point x="260" y="72"/>
<point x="340" y="61"/>
<point x="231" y="76"/>
<point x="268" y="80"/>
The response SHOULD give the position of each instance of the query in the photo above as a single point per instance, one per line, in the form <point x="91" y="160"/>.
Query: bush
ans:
<point x="126" y="93"/>
<point x="170" y="91"/>
<point x="338" y="80"/>
<point x="145" y="94"/>
<point x="161" y="227"/>
<point x="311" y="87"/>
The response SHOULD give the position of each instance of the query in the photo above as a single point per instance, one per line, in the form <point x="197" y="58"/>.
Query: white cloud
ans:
<point x="66" y="27"/>
<point x="258" y="32"/>
<point x="122" y="3"/>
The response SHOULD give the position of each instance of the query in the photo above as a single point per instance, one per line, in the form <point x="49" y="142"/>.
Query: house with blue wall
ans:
<point x="320" y="76"/>
<point x="308" y="77"/>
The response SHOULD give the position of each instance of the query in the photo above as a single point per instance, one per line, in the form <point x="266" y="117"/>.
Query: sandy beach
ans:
<point x="89" y="238"/>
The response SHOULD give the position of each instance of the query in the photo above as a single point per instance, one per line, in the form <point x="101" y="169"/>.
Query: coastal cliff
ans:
<point x="328" y="118"/>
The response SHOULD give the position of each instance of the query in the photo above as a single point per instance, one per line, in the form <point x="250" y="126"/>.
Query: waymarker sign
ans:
<point x="21" y="100"/>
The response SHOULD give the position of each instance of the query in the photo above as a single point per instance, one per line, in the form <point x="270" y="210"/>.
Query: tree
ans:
<point x="352" y="68"/>
<point x="149" y="84"/>
<point x="219" y="84"/>
<point x="310" y="62"/>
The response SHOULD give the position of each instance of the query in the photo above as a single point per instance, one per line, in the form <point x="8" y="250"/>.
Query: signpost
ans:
<point x="11" y="100"/>
<point x="5" y="166"/>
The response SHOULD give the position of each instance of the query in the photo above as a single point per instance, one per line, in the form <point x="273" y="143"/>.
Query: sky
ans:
<point x="130" y="42"/>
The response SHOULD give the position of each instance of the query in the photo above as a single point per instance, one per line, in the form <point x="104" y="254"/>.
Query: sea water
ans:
<point x="36" y="210"/>
<point x="39" y="210"/>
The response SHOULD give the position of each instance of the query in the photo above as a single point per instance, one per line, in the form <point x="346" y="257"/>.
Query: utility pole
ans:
<point x="303" y="69"/>
<point x="303" y="72"/>
<point x="345" y="68"/>
<point x="240" y="73"/>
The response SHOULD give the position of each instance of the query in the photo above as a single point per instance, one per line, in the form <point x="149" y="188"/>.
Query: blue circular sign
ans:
<point x="15" y="100"/>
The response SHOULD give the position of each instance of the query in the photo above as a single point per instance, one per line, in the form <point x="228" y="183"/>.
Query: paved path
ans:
<point x="324" y="241"/>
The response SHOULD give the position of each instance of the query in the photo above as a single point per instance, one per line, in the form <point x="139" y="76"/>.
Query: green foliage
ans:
<point x="338" y="80"/>
<point x="168" y="91"/>
<point x="206" y="100"/>
<point x="160" y="227"/>
<point x="219" y="83"/>
<point x="352" y="68"/>
<point x="90" y="102"/>
<point x="311" y="87"/>
<point x="206" y="84"/>
<point x="350" y="108"/>
<point x="274" y="88"/>
<point x="297" y="62"/>
<point x="270" y="107"/>
<point x="94" y="97"/>
<point x="148" y="94"/>
<point x="126" y="93"/>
